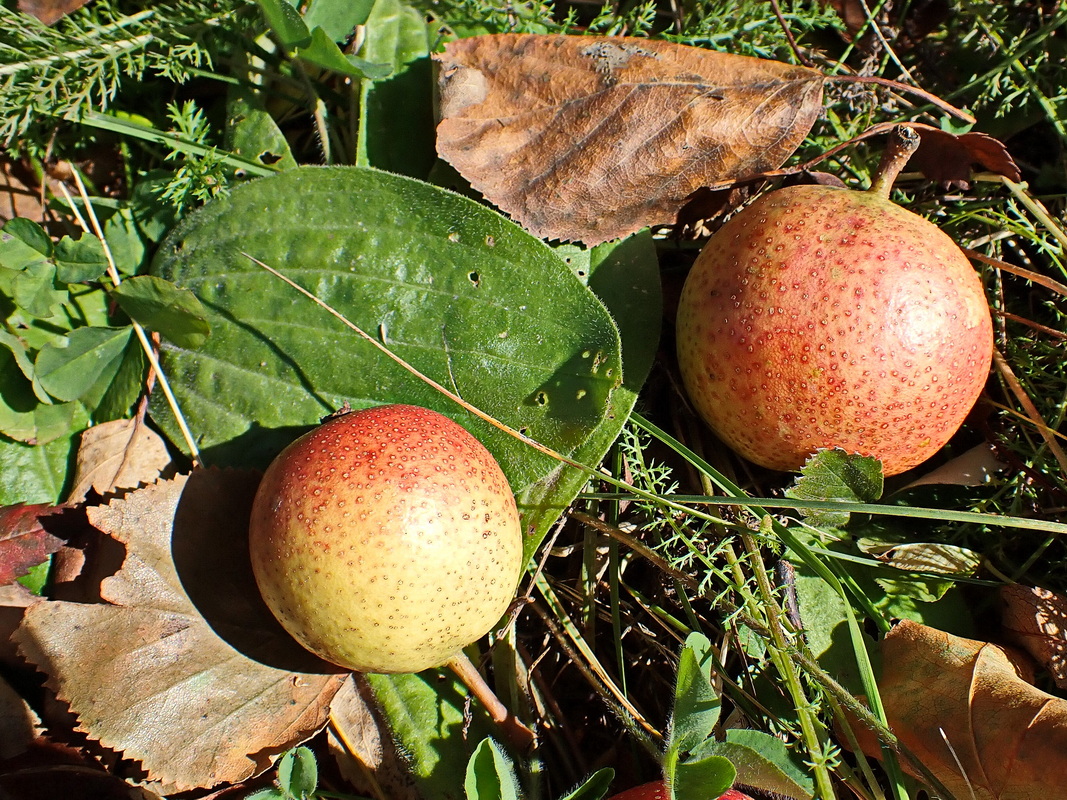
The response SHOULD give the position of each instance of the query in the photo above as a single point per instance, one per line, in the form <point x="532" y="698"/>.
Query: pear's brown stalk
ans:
<point x="518" y="735"/>
<point x="903" y="142"/>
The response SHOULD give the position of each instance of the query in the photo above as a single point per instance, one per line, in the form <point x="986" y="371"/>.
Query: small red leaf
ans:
<point x="23" y="542"/>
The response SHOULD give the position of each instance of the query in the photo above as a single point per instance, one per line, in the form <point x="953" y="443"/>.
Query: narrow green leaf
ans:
<point x="594" y="787"/>
<point x="159" y="305"/>
<point x="286" y="23"/>
<point x="338" y="18"/>
<point x="490" y="775"/>
<point x="696" y="703"/>
<point x="298" y="773"/>
<point x="90" y="355"/>
<point x="702" y="779"/>
<point x="324" y="52"/>
<point x="35" y="290"/>
<point x="80" y="260"/>
<point x="833" y="475"/>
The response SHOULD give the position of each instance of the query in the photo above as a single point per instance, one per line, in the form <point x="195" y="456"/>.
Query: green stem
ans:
<point x="777" y="648"/>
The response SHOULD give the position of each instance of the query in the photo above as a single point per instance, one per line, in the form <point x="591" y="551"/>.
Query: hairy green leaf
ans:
<point x="594" y="787"/>
<point x="490" y="775"/>
<point x="763" y="760"/>
<point x="696" y="703"/>
<point x="298" y="772"/>
<point x="427" y="720"/>
<point x="701" y="779"/>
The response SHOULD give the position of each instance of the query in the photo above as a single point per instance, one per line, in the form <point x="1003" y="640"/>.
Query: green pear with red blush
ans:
<point x="386" y="540"/>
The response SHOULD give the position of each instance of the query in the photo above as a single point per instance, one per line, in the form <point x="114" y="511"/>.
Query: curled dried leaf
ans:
<point x="587" y="138"/>
<point x="120" y="454"/>
<point x="947" y="158"/>
<point x="19" y="725"/>
<point x="1036" y="620"/>
<point x="964" y="709"/>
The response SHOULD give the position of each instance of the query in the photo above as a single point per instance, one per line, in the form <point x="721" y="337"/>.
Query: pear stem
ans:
<point x="903" y="142"/>
<point x="520" y="737"/>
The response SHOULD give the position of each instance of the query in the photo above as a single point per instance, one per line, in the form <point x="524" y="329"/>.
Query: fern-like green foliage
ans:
<point x="81" y="63"/>
<point x="199" y="178"/>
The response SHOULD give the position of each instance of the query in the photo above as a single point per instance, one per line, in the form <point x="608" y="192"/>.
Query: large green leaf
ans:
<point x="625" y="276"/>
<point x="449" y="285"/>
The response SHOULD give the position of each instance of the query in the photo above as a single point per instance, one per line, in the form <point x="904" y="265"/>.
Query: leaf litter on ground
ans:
<point x="183" y="648"/>
<point x="968" y="711"/>
<point x="1035" y="619"/>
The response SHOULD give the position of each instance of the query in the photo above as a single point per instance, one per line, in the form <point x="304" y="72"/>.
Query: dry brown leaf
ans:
<point x="1036" y="620"/>
<point x="1009" y="736"/>
<point x="50" y="11"/>
<point x="19" y="726"/>
<point x="14" y="599"/>
<point x="974" y="467"/>
<point x="48" y="782"/>
<point x="947" y="157"/>
<point x="364" y="757"/>
<point x="120" y="454"/>
<point x="186" y="672"/>
<point x="591" y="138"/>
